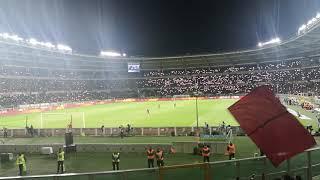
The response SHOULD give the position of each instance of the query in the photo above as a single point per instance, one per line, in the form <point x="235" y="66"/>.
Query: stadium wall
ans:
<point x="180" y="147"/>
<point x="137" y="131"/>
<point x="36" y="148"/>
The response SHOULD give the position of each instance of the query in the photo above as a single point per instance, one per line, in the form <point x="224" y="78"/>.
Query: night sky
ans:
<point x="155" y="27"/>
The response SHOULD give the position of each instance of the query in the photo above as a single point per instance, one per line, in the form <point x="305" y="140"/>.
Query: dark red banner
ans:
<point x="270" y="126"/>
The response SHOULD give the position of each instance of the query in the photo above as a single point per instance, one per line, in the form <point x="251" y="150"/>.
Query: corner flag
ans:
<point x="270" y="126"/>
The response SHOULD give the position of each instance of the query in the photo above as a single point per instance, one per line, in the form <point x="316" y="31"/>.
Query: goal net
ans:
<point x="58" y="120"/>
<point x="180" y="97"/>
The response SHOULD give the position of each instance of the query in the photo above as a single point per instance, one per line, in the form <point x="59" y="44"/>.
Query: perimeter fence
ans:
<point x="305" y="165"/>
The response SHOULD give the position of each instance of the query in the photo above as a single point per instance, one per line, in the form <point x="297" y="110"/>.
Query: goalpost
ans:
<point x="180" y="96"/>
<point x="76" y="118"/>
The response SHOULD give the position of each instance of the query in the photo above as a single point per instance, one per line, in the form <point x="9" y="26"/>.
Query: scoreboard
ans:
<point x="133" y="67"/>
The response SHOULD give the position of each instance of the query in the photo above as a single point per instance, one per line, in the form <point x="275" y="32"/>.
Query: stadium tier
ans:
<point x="33" y="75"/>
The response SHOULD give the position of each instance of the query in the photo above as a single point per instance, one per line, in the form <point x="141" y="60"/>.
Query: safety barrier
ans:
<point x="115" y="131"/>
<point x="305" y="165"/>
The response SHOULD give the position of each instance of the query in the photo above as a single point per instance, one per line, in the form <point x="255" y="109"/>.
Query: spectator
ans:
<point x="5" y="132"/>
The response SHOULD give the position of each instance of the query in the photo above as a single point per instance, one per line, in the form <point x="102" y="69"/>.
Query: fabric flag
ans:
<point x="270" y="126"/>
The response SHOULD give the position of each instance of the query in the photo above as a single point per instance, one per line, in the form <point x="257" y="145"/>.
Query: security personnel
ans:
<point x="5" y="132"/>
<point x="122" y="132"/>
<point x="20" y="162"/>
<point x="24" y="164"/>
<point x="159" y="157"/>
<point x="60" y="160"/>
<point x="150" y="156"/>
<point x="231" y="150"/>
<point x="206" y="153"/>
<point x="115" y="160"/>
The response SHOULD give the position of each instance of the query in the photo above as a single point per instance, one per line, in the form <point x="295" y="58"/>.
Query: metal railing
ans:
<point x="306" y="165"/>
<point x="115" y="131"/>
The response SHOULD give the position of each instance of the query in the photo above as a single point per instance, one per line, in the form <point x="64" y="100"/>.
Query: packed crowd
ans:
<point x="16" y="92"/>
<point x="53" y="73"/>
<point x="21" y="99"/>
<point x="20" y="85"/>
<point x="49" y="85"/>
<point x="283" y="82"/>
<point x="227" y="69"/>
<point x="285" y="77"/>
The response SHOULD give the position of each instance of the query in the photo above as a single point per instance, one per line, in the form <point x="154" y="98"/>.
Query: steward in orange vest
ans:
<point x="159" y="157"/>
<point x="206" y="153"/>
<point x="231" y="150"/>
<point x="150" y="156"/>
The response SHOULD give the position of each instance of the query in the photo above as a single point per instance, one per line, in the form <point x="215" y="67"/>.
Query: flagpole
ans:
<point x="197" y="112"/>
<point x="197" y="115"/>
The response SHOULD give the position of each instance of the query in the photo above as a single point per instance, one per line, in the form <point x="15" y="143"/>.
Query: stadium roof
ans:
<point x="306" y="44"/>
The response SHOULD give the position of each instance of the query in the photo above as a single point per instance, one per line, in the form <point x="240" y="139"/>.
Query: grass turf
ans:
<point x="212" y="111"/>
<point x="135" y="113"/>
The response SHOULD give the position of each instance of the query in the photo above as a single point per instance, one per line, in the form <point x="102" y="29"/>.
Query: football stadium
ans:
<point x="249" y="114"/>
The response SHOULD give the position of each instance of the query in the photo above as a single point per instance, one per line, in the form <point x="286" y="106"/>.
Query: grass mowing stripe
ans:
<point x="212" y="111"/>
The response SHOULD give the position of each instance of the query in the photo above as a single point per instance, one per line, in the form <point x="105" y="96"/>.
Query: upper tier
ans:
<point x="13" y="54"/>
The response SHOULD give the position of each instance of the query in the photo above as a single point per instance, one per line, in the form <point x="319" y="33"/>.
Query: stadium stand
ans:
<point x="290" y="76"/>
<point x="24" y="82"/>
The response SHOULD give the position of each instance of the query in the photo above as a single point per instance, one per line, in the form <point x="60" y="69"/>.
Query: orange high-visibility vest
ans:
<point x="150" y="154"/>
<point x="206" y="151"/>
<point x="232" y="149"/>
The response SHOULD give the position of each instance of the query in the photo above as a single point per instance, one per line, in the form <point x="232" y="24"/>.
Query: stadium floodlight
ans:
<point x="303" y="27"/>
<point x="11" y="37"/>
<point x="109" y="53"/>
<point x="64" y="48"/>
<point x="275" y="40"/>
<point x="49" y="45"/>
<point x="310" y="23"/>
<point x="33" y="41"/>
<point x="16" y="38"/>
<point x="4" y="35"/>
<point x="272" y="41"/>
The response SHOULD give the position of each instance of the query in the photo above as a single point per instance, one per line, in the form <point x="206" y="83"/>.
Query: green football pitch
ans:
<point x="162" y="114"/>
